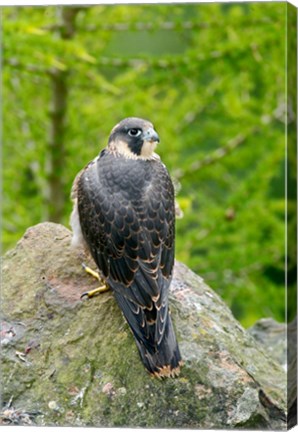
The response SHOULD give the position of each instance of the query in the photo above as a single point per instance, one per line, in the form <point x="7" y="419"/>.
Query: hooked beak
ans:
<point x="150" y="135"/>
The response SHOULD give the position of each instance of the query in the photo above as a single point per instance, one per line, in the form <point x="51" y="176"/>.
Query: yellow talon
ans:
<point x="91" y="272"/>
<point x="99" y="290"/>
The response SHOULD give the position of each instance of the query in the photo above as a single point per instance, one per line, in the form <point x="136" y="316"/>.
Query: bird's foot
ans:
<point x="101" y="289"/>
<point x="93" y="273"/>
<point x="95" y="291"/>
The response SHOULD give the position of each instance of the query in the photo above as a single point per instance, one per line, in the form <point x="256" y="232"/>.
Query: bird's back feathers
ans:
<point x="127" y="217"/>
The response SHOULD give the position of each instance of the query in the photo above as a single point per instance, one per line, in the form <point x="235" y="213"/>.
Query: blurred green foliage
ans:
<point x="211" y="77"/>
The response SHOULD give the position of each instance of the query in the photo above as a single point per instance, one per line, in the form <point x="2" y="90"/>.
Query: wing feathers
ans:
<point x="130" y="233"/>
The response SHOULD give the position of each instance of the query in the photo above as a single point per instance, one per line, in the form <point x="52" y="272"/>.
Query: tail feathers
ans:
<point x="166" y="360"/>
<point x="161" y="357"/>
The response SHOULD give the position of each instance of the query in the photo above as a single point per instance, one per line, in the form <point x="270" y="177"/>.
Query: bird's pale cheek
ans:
<point x="148" y="148"/>
<point x="123" y="148"/>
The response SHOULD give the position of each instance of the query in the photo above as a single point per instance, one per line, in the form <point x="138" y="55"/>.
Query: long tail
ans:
<point x="162" y="358"/>
<point x="166" y="360"/>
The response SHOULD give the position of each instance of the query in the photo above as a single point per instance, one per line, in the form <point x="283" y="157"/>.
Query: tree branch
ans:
<point x="29" y="67"/>
<point x="216" y="155"/>
<point x="165" y="25"/>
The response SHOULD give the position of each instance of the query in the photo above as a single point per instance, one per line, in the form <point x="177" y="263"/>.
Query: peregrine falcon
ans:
<point x="124" y="212"/>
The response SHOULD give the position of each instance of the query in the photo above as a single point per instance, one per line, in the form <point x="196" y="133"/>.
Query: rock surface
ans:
<point x="273" y="336"/>
<point x="69" y="362"/>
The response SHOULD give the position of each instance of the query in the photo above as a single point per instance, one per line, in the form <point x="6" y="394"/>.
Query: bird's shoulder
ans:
<point x="78" y="177"/>
<point x="114" y="171"/>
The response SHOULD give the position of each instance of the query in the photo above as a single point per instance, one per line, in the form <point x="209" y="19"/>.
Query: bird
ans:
<point x="124" y="215"/>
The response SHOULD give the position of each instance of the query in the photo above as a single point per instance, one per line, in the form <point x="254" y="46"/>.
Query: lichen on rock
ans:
<point x="69" y="362"/>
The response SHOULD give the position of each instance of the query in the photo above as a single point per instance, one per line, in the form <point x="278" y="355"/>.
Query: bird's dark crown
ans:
<point x="134" y="137"/>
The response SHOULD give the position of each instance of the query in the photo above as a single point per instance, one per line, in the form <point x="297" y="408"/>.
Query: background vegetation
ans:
<point x="212" y="79"/>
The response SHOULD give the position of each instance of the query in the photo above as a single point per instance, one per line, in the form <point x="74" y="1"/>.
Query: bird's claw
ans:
<point x="101" y="289"/>
<point x="98" y="290"/>
<point x="85" y="294"/>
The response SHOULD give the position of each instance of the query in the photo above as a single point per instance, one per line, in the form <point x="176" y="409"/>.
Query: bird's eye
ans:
<point x="134" y="132"/>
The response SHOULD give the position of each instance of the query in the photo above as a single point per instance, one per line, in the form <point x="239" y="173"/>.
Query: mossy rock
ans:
<point x="68" y="362"/>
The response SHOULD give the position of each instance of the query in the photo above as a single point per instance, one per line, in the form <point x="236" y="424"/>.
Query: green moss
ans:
<point x="84" y="368"/>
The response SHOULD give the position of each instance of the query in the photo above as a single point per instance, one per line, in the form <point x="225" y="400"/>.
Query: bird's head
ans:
<point x="134" y="138"/>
